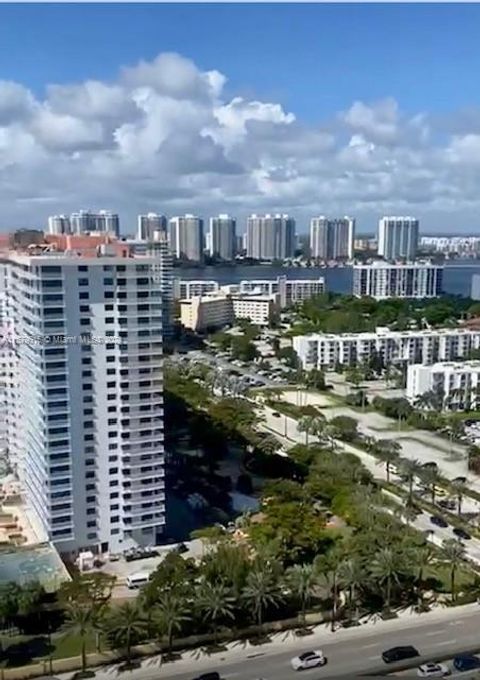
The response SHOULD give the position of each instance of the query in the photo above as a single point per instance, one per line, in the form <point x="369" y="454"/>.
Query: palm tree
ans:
<point x="261" y="591"/>
<point x="388" y="450"/>
<point x="459" y="489"/>
<point x="125" y="626"/>
<point x="216" y="601"/>
<point x="409" y="469"/>
<point x="421" y="557"/>
<point x="170" y="613"/>
<point x="453" y="553"/>
<point x="386" y="568"/>
<point x="305" y="424"/>
<point x="430" y="477"/>
<point x="329" y="566"/>
<point x="352" y="576"/>
<point x="82" y="622"/>
<point x="303" y="579"/>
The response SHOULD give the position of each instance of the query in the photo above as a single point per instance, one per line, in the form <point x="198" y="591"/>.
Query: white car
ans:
<point x="308" y="660"/>
<point x="433" y="670"/>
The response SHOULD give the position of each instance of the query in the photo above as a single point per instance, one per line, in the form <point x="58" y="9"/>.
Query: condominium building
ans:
<point x="332" y="239"/>
<point x="270" y="237"/>
<point x="59" y="224"/>
<point x="459" y="245"/>
<point x="217" y="310"/>
<point x="207" y="312"/>
<point x="222" y="239"/>
<point x="326" y="350"/>
<point x="85" y="412"/>
<point x="457" y="383"/>
<point x="290" y="291"/>
<point x="475" y="287"/>
<point x="185" y="289"/>
<point x="186" y="237"/>
<point x="382" y="280"/>
<point x="85" y="221"/>
<point x="260" y="310"/>
<point x="398" y="238"/>
<point x="151" y="227"/>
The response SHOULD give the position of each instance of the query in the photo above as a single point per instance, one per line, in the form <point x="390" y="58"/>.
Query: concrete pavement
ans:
<point x="436" y="634"/>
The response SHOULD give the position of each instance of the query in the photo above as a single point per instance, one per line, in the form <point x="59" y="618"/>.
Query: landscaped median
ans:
<point x="208" y="640"/>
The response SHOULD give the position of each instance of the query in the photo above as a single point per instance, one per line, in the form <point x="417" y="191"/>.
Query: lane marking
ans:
<point x="446" y="642"/>
<point x="433" y="633"/>
<point x="374" y="644"/>
<point x="371" y="658"/>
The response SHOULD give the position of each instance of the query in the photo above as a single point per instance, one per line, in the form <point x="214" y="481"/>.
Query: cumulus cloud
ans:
<point x="164" y="135"/>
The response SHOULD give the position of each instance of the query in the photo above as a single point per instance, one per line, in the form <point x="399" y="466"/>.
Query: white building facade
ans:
<point x="185" y="235"/>
<point x="332" y="239"/>
<point x="222" y="237"/>
<point x="398" y="238"/>
<point x="382" y="280"/>
<point x="290" y="291"/>
<point x="326" y="350"/>
<point x="458" y="383"/>
<point x="270" y="237"/>
<point x="85" y="413"/>
<point x="104" y="221"/>
<point x="151" y="227"/>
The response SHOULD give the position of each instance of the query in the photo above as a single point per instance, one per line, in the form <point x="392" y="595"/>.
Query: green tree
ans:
<point x="388" y="451"/>
<point x="29" y="598"/>
<point x="216" y="601"/>
<point x="459" y="489"/>
<point x="410" y="469"/>
<point x="352" y="576"/>
<point x="453" y="554"/>
<point x="170" y="613"/>
<point x="354" y="375"/>
<point x="303" y="580"/>
<point x="420" y="558"/>
<point x="345" y="428"/>
<point x="430" y="477"/>
<point x="82" y="621"/>
<point x="306" y="424"/>
<point x="261" y="591"/>
<point x="386" y="568"/>
<point x="329" y="566"/>
<point x="126" y="625"/>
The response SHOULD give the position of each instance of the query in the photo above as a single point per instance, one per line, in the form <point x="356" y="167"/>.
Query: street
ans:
<point x="438" y="634"/>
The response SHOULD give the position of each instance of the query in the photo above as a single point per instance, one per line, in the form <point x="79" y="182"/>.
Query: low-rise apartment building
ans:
<point x="382" y="280"/>
<point x="325" y="350"/>
<point x="209" y="312"/>
<point x="458" y="383"/>
<point x="289" y="291"/>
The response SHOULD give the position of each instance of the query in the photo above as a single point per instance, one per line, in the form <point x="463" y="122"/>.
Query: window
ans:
<point x="87" y="387"/>
<point x="84" y="308"/>
<point x="90" y="461"/>
<point x="115" y="519"/>
<point x="88" y="411"/>
<point x="91" y="524"/>
<point x="83" y="268"/>
<point x="89" y="449"/>
<point x="112" y="447"/>
<point x="91" y="499"/>
<point x="110" y="359"/>
<point x="110" y="371"/>
<point x="91" y="511"/>
<point x="112" y="421"/>
<point x="92" y="537"/>
<point x="115" y="494"/>
<point x="112" y="459"/>
<point x="110" y="345"/>
<point x="84" y="322"/>
<point x="86" y="374"/>
<point x="112" y="435"/>
<point x="115" y="507"/>
<point x="113" y="482"/>
<point x="108" y="282"/>
<point x="109" y="308"/>
<point x="88" y="437"/>
<point x="108" y="294"/>
<point x="114" y="532"/>
<point x="109" y="319"/>
<point x="83" y="296"/>
<point x="88" y="399"/>
<point x="86" y="360"/>
<point x="83" y="282"/>
<point x="113" y="471"/>
<point x="89" y="487"/>
<point x="90" y="474"/>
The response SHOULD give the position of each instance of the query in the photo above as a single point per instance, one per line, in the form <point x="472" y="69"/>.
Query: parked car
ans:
<point x="213" y="675"/>
<point x="399" y="653"/>
<point x="276" y="414"/>
<point x="433" y="670"/>
<point x="438" y="521"/>
<point x="461" y="533"/>
<point x="448" y="504"/>
<point x="308" y="660"/>
<point x="466" y="662"/>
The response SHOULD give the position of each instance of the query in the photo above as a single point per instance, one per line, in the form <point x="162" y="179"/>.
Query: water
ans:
<point x="456" y="278"/>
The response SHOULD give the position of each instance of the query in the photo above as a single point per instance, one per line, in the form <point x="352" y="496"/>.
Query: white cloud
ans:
<point x="165" y="136"/>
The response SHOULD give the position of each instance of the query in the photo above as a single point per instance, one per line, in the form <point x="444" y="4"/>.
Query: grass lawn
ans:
<point x="23" y="649"/>
<point x="464" y="577"/>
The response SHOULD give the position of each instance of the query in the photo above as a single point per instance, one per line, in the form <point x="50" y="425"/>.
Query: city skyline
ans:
<point x="193" y="129"/>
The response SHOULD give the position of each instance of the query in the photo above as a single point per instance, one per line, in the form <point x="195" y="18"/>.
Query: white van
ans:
<point x="138" y="580"/>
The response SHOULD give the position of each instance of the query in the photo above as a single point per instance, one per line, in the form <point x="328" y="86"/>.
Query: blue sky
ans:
<point x="351" y="109"/>
<point x="313" y="58"/>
